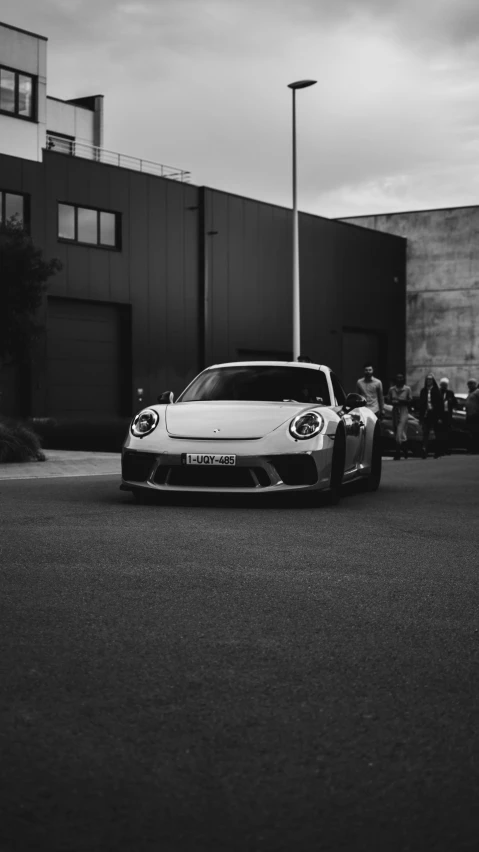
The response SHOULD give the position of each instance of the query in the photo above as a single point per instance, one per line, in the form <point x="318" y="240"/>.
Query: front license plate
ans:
<point x="205" y="459"/>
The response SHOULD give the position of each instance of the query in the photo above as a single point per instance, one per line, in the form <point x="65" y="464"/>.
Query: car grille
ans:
<point x="209" y="477"/>
<point x="295" y="469"/>
<point x="136" y="467"/>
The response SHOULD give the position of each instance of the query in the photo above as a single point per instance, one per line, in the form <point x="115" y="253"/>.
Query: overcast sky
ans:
<point x="392" y="124"/>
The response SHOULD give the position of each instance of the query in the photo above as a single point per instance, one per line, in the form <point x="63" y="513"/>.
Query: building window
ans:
<point x="13" y="204"/>
<point x="66" y="222"/>
<point x="89" y="226"/>
<point x="17" y="93"/>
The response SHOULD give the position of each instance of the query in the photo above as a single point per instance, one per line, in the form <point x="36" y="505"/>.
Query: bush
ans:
<point x="18" y="442"/>
<point x="105" y="435"/>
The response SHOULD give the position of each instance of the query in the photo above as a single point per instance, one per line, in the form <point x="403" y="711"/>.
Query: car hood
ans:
<point x="233" y="420"/>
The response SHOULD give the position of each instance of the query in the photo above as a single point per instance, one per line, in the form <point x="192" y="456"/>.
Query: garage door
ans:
<point x="83" y="346"/>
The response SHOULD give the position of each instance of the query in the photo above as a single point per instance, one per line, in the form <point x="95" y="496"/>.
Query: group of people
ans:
<point x="436" y="406"/>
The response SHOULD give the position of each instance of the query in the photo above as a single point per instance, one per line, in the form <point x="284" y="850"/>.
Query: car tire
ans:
<point x="373" y="481"/>
<point x="337" y="467"/>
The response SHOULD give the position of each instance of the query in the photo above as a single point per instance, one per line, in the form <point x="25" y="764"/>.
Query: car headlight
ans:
<point x="144" y="422"/>
<point x="306" y="425"/>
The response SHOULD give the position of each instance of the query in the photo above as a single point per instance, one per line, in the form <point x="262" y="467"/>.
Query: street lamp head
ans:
<point x="302" y="84"/>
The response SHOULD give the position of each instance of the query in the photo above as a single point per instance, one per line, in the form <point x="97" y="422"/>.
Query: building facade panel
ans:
<point x="19" y="138"/>
<point x="12" y="178"/>
<point x="442" y="286"/>
<point x="60" y="117"/>
<point x="56" y="179"/>
<point x="192" y="278"/>
<point x="321" y="291"/>
<point x="280" y="255"/>
<point x="99" y="188"/>
<point x="33" y="179"/>
<point x="243" y="245"/>
<point x="181" y="311"/>
<point x="157" y="274"/>
<point x="217" y="240"/>
<point x="118" y="199"/>
<point x="231" y="237"/>
<point x="70" y="120"/>
<point x="20" y="50"/>
<point x="137" y="235"/>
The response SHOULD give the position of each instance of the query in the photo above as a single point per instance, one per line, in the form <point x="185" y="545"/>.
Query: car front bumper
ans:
<point x="165" y="470"/>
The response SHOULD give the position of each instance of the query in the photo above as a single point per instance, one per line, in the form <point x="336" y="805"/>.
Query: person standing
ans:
<point x="400" y="397"/>
<point x="472" y="415"/>
<point x="449" y="403"/>
<point x="372" y="389"/>
<point x="430" y="412"/>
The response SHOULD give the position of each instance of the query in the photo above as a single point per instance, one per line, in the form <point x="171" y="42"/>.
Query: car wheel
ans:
<point x="373" y="480"/>
<point x="337" y="467"/>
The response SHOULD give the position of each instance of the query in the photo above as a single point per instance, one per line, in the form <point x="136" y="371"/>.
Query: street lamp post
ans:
<point x="300" y="84"/>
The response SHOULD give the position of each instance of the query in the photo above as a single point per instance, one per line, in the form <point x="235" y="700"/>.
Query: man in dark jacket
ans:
<point x="449" y="403"/>
<point x="431" y="412"/>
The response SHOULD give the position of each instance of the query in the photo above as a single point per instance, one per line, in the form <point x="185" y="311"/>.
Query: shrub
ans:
<point x="18" y="442"/>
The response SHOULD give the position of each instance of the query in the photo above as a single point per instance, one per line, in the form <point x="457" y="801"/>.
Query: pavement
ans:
<point x="223" y="676"/>
<point x="64" y="463"/>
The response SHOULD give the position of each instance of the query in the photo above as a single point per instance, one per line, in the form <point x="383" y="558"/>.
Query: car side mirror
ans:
<point x="353" y="400"/>
<point x="166" y="397"/>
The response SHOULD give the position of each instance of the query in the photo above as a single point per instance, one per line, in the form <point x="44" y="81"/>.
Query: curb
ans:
<point x="64" y="463"/>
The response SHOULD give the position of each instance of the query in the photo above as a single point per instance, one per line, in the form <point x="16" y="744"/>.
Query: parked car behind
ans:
<point x="413" y="431"/>
<point x="459" y="436"/>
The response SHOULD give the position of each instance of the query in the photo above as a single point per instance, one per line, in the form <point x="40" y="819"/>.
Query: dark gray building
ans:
<point x="161" y="278"/>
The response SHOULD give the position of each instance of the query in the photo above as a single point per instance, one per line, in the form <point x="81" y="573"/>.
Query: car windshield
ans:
<point x="259" y="383"/>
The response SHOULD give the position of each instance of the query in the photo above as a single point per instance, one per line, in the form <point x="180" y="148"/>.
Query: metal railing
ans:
<point x="81" y="148"/>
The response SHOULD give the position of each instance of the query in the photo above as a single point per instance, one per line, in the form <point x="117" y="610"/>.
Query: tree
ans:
<point x="23" y="280"/>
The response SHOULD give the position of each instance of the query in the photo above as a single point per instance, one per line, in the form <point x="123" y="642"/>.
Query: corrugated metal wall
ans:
<point x="347" y="273"/>
<point x="349" y="279"/>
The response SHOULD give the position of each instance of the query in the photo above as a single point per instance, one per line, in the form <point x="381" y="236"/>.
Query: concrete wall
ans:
<point x="25" y="52"/>
<point x="442" y="291"/>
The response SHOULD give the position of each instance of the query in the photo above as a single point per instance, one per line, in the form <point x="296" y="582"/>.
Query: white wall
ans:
<point x="19" y="138"/>
<point x="28" y="53"/>
<point x="70" y="119"/>
<point x="23" y="51"/>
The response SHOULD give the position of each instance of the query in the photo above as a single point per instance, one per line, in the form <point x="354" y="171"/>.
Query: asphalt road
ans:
<point x="230" y="676"/>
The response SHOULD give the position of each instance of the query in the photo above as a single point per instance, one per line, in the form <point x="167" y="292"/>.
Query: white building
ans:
<point x="29" y="119"/>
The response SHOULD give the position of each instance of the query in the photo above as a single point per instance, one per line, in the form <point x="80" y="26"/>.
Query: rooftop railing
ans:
<point x="81" y="148"/>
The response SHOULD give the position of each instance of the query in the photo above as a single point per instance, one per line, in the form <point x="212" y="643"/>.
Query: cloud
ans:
<point x="202" y="85"/>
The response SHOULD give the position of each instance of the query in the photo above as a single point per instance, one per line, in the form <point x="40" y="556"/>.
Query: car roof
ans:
<point x="269" y="364"/>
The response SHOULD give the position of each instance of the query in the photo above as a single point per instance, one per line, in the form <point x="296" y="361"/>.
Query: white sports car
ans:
<point x="254" y="427"/>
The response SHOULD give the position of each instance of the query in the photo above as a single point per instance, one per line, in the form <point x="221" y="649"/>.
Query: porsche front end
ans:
<point x="233" y="447"/>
